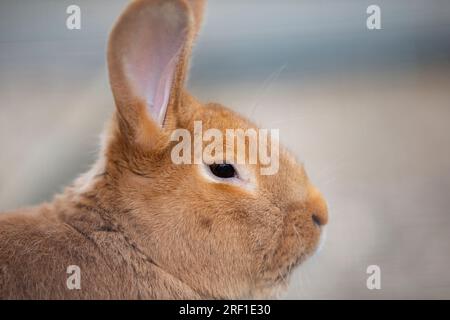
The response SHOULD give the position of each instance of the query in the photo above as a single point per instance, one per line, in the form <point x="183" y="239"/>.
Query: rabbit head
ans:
<point x="231" y="237"/>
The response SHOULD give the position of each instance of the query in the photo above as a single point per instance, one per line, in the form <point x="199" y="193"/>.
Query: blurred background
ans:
<point x="368" y="111"/>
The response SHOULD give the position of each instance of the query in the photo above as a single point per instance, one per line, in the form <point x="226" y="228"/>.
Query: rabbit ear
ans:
<point x="147" y="57"/>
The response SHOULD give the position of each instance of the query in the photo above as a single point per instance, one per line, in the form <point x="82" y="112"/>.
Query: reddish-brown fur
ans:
<point x="141" y="227"/>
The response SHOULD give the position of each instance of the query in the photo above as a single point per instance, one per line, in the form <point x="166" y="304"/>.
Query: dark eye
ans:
<point x="223" y="170"/>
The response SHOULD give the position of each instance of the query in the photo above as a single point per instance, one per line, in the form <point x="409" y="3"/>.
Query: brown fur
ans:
<point x="140" y="226"/>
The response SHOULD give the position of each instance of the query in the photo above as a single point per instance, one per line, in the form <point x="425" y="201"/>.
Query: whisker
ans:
<point x="283" y="278"/>
<point x="329" y="181"/>
<point x="296" y="231"/>
<point x="303" y="116"/>
<point x="336" y="164"/>
<point x="267" y="84"/>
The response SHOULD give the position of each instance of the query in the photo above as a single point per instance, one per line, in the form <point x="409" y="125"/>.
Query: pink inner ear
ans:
<point x="163" y="92"/>
<point x="151" y="59"/>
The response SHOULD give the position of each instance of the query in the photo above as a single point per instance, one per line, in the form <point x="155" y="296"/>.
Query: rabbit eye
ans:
<point x="223" y="170"/>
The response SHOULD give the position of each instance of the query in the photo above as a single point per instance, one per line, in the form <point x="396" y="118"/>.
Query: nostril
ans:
<point x="316" y="220"/>
<point x="317" y="207"/>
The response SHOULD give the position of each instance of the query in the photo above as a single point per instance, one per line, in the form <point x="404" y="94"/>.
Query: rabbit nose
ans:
<point x="318" y="220"/>
<point x="317" y="207"/>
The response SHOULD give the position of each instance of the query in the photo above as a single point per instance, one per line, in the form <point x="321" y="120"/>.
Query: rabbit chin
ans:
<point x="275" y="291"/>
<point x="276" y="288"/>
<point x="279" y="281"/>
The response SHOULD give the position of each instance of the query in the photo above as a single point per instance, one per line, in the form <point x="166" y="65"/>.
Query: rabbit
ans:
<point x="138" y="226"/>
